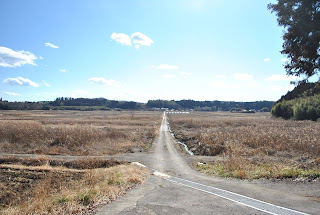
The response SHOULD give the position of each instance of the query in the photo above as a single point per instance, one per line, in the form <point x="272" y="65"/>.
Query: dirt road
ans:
<point x="175" y="188"/>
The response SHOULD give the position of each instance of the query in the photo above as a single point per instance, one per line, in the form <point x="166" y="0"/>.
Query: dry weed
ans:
<point x="61" y="191"/>
<point x="93" y="133"/>
<point x="247" y="142"/>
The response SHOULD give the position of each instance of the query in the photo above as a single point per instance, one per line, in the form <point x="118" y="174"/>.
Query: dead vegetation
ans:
<point x="35" y="188"/>
<point x="77" y="133"/>
<point x="251" y="145"/>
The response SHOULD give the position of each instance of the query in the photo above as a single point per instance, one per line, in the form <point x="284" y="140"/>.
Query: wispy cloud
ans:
<point x="51" y="45"/>
<point x="266" y="59"/>
<point x="46" y="84"/>
<point x="63" y="70"/>
<point x="121" y="38"/>
<point x="20" y="81"/>
<point x="137" y="38"/>
<point x="11" y="93"/>
<point x="165" y="66"/>
<point x="185" y="73"/>
<point x="11" y="58"/>
<point x="104" y="82"/>
<point x="221" y="76"/>
<point x="141" y="39"/>
<point x="168" y="76"/>
<point x="282" y="78"/>
<point x="284" y="60"/>
<point x="242" y="76"/>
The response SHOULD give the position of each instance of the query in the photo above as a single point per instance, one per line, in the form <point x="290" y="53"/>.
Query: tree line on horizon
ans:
<point x="87" y="104"/>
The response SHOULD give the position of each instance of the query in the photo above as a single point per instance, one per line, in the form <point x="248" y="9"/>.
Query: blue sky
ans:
<point x="141" y="49"/>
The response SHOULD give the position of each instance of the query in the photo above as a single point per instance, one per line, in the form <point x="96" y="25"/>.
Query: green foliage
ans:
<point x="300" y="108"/>
<point x="265" y="109"/>
<point x="300" y="19"/>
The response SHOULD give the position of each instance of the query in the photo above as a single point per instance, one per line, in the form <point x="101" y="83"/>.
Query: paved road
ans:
<point x="175" y="188"/>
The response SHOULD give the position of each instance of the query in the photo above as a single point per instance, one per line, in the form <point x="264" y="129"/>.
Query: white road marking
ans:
<point x="139" y="164"/>
<point x="160" y="174"/>
<point x="235" y="197"/>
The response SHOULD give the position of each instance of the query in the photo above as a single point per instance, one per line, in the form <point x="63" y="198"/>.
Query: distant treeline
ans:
<point x="209" y="105"/>
<point x="301" y="103"/>
<point x="86" y="104"/>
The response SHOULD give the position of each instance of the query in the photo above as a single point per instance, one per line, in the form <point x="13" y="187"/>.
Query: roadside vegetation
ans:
<point x="251" y="146"/>
<point x="45" y="186"/>
<point x="302" y="103"/>
<point x="77" y="133"/>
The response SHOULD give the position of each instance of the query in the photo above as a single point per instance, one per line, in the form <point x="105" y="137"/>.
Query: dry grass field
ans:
<point x="45" y="186"/>
<point x="77" y="132"/>
<point x="251" y="145"/>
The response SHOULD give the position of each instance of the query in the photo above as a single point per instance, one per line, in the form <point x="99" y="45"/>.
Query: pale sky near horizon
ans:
<point x="137" y="50"/>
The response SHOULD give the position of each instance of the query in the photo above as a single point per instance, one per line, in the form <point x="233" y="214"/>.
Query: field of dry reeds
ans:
<point x="251" y="145"/>
<point x="45" y="186"/>
<point x="77" y="132"/>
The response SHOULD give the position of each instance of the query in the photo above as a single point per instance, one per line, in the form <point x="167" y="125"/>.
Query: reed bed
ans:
<point x="77" y="133"/>
<point x="248" y="143"/>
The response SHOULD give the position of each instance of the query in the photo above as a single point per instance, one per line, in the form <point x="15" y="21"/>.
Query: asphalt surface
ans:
<point x="175" y="188"/>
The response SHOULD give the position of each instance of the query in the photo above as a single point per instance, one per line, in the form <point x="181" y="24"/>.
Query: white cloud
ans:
<point x="185" y="73"/>
<point x="121" y="38"/>
<point x="51" y="45"/>
<point x="63" y="70"/>
<point x="40" y="57"/>
<point x="46" y="84"/>
<point x="266" y="59"/>
<point x="11" y="93"/>
<point x="103" y="81"/>
<point x="221" y="76"/>
<point x="242" y="76"/>
<point x="282" y="78"/>
<point x="284" y="60"/>
<point x="11" y="58"/>
<point x="165" y="66"/>
<point x="20" y="82"/>
<point x="137" y="38"/>
<point x="141" y="39"/>
<point x="168" y="76"/>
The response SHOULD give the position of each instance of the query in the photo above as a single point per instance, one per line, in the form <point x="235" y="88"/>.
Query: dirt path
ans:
<point x="176" y="188"/>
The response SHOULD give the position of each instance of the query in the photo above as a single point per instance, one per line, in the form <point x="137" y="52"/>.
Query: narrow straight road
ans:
<point x="175" y="188"/>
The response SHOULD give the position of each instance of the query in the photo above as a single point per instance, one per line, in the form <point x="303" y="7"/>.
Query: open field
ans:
<point x="77" y="132"/>
<point x="251" y="145"/>
<point x="44" y="186"/>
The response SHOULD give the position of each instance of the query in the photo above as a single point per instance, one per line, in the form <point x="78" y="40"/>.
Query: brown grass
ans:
<point x="59" y="190"/>
<point x="77" y="133"/>
<point x="247" y="143"/>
